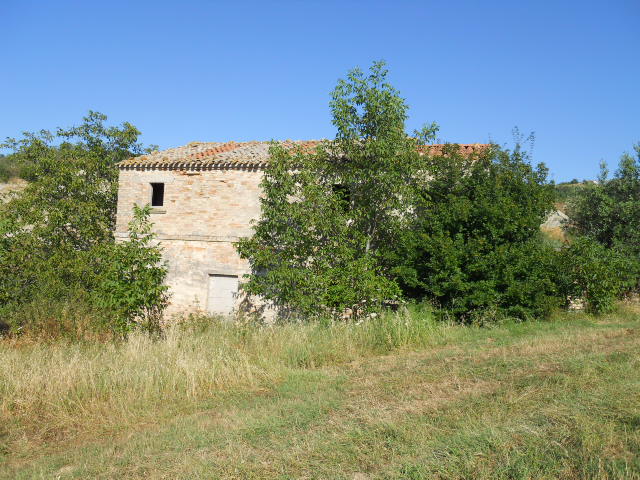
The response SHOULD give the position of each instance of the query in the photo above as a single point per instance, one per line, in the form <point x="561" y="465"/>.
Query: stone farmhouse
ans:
<point x="204" y="197"/>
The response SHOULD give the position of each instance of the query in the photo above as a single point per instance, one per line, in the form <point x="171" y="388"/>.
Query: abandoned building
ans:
<point x="203" y="198"/>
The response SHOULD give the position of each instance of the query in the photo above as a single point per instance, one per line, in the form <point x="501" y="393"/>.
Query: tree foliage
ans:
<point x="608" y="212"/>
<point x="366" y="218"/>
<point x="56" y="235"/>
<point x="329" y="215"/>
<point x="477" y="244"/>
<point x="131" y="277"/>
<point x="590" y="273"/>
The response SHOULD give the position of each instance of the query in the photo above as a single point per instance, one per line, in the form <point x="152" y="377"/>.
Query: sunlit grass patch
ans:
<point x="398" y="397"/>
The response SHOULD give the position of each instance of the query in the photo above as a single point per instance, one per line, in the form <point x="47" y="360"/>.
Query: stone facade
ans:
<point x="211" y="194"/>
<point x="203" y="213"/>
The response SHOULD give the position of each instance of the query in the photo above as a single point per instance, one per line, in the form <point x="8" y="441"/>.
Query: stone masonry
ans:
<point x="211" y="195"/>
<point x="206" y="208"/>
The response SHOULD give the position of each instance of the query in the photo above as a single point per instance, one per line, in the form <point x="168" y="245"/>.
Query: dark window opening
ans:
<point x="344" y="195"/>
<point x="157" y="194"/>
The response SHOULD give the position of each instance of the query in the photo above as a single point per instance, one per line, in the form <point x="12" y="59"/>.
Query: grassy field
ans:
<point x="398" y="397"/>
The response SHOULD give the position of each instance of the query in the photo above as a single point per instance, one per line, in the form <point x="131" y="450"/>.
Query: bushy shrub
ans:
<point x="589" y="272"/>
<point x="608" y="212"/>
<point x="118" y="286"/>
<point x="131" y="277"/>
<point x="477" y="243"/>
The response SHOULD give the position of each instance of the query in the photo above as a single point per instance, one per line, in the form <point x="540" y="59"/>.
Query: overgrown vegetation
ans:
<point x="398" y="396"/>
<point x="329" y="215"/>
<point x="476" y="245"/>
<point x="373" y="217"/>
<point x="9" y="168"/>
<point x="348" y="227"/>
<point x="594" y="274"/>
<point x="609" y="210"/>
<point x="606" y="215"/>
<point x="370" y="219"/>
<point x="56" y="235"/>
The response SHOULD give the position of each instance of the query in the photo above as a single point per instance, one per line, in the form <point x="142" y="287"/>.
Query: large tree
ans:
<point x="330" y="213"/>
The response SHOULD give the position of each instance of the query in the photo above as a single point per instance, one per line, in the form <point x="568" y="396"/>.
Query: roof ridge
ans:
<point x="253" y="153"/>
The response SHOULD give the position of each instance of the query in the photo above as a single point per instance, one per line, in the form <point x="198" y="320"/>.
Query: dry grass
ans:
<point x="60" y="389"/>
<point x="556" y="234"/>
<point x="400" y="397"/>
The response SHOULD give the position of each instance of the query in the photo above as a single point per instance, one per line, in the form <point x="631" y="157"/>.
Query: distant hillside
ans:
<point x="9" y="168"/>
<point x="568" y="190"/>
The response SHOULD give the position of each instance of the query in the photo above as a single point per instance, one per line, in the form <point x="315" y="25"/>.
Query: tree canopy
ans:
<point x="372" y="217"/>
<point x="329" y="214"/>
<point x="56" y="235"/>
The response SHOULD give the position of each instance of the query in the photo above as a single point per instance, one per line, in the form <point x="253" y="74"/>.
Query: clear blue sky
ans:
<point x="217" y="71"/>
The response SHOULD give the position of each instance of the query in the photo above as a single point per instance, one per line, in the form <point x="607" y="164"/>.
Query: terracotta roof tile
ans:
<point x="238" y="154"/>
<point x="465" y="148"/>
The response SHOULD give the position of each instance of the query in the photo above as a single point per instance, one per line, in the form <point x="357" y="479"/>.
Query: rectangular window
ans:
<point x="343" y="194"/>
<point x="157" y="194"/>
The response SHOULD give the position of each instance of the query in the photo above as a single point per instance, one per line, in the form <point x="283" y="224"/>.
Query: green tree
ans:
<point x="53" y="233"/>
<point x="330" y="215"/>
<point x="609" y="210"/>
<point x="72" y="196"/>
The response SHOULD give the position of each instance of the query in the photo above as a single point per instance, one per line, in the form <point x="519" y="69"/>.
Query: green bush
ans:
<point x="118" y="286"/>
<point x="131" y="281"/>
<point x="596" y="275"/>
<point x="477" y="245"/>
<point x="609" y="211"/>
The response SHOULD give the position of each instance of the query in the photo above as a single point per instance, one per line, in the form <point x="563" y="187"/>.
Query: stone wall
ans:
<point x="203" y="214"/>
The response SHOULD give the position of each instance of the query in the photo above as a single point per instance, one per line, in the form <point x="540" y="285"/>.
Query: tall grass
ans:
<point x="46" y="320"/>
<point x="210" y="399"/>
<point x="66" y="386"/>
